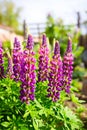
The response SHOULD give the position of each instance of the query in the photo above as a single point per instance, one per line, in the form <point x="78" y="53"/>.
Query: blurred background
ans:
<point x="32" y="16"/>
<point x="58" y="19"/>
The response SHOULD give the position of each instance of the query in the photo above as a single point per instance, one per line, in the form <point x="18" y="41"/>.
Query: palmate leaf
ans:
<point x="41" y="114"/>
<point x="71" y="119"/>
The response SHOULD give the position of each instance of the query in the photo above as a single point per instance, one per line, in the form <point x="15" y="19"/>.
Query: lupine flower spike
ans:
<point x="10" y="66"/>
<point x="16" y="60"/>
<point x="68" y="67"/>
<point x="28" y="75"/>
<point x="55" y="74"/>
<point x="1" y="62"/>
<point x="43" y="60"/>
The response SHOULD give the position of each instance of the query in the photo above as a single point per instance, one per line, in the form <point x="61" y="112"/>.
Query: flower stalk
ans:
<point x="68" y="67"/>
<point x="55" y="74"/>
<point x="28" y="75"/>
<point x="43" y="60"/>
<point x="1" y="62"/>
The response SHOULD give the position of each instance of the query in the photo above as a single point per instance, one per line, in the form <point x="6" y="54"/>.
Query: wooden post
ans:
<point x="78" y="20"/>
<point x="24" y="30"/>
<point x="38" y="30"/>
<point x="84" y="88"/>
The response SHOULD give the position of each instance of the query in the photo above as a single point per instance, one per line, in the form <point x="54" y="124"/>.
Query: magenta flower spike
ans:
<point x="1" y="62"/>
<point x="16" y="59"/>
<point x="28" y="75"/>
<point x="68" y="67"/>
<point x="16" y="44"/>
<point x="10" y="68"/>
<point x="55" y="75"/>
<point x="30" y="43"/>
<point x="43" y="60"/>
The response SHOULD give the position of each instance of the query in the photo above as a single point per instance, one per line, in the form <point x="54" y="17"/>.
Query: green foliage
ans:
<point x="9" y="14"/>
<point x="77" y="51"/>
<point x="56" y="29"/>
<point x="76" y="85"/>
<point x="79" y="72"/>
<point x="42" y="114"/>
<point x="7" y="44"/>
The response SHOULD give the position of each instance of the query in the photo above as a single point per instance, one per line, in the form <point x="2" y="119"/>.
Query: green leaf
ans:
<point x="14" y="117"/>
<point x="1" y="117"/>
<point x="8" y="118"/>
<point x="35" y="123"/>
<point x="82" y="101"/>
<point x="26" y="114"/>
<point x="74" y="98"/>
<point x="23" y="128"/>
<point x="80" y="109"/>
<point x="41" y="112"/>
<point x="38" y="104"/>
<point x="14" y="128"/>
<point x="5" y="124"/>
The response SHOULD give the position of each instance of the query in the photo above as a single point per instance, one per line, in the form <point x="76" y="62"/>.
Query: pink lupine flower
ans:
<point x="43" y="60"/>
<point x="1" y="62"/>
<point x="28" y="75"/>
<point x="55" y="75"/>
<point x="68" y="67"/>
<point x="16" y="60"/>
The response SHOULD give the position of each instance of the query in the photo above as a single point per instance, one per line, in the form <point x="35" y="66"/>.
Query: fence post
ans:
<point x="24" y="30"/>
<point x="78" y="20"/>
<point x="38" y="30"/>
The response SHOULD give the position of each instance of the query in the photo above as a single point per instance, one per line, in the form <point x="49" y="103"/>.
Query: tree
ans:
<point x="9" y="14"/>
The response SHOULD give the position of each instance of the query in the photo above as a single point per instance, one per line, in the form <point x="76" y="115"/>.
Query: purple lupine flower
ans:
<point x="55" y="75"/>
<point x="28" y="75"/>
<point x="10" y="68"/>
<point x="16" y="60"/>
<point x="43" y="60"/>
<point x="17" y="44"/>
<point x="68" y="67"/>
<point x="30" y="43"/>
<point x="1" y="62"/>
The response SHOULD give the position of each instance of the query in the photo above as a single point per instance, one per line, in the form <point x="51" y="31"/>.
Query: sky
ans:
<point x="35" y="11"/>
